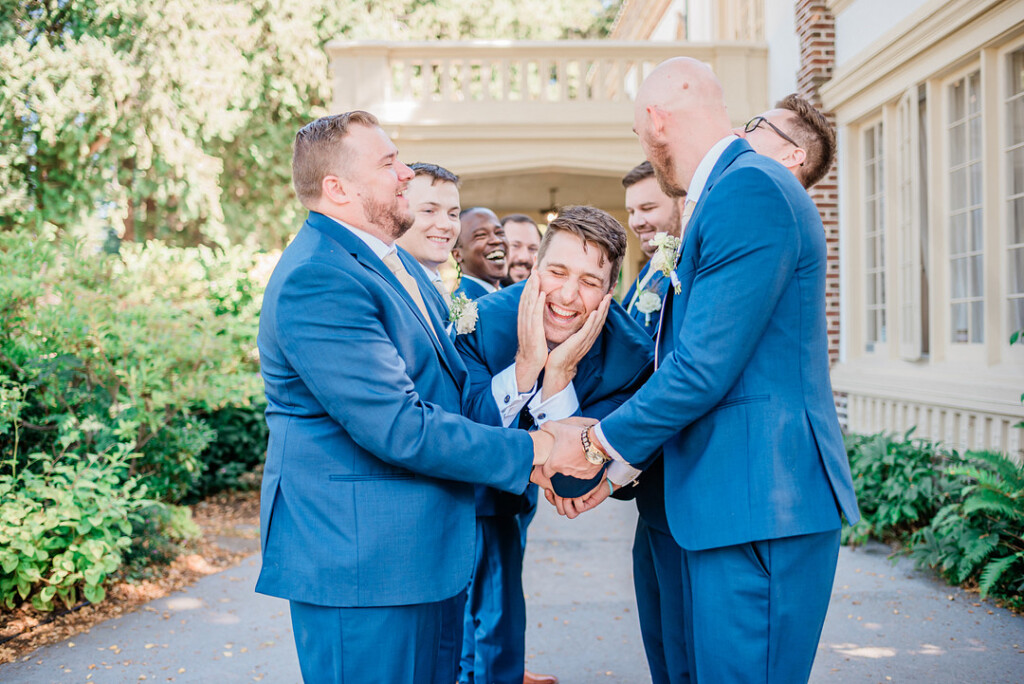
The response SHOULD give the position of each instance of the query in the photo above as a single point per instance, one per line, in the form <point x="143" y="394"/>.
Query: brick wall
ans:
<point x="815" y="28"/>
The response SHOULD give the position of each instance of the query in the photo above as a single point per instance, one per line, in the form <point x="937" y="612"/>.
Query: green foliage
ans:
<point x="124" y="353"/>
<point x="175" y="120"/>
<point x="64" y="527"/>
<point x="158" y="532"/>
<point x="980" y="535"/>
<point x="900" y="485"/>
<point x="231" y="461"/>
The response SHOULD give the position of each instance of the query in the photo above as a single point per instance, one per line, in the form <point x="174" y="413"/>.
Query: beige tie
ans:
<point x="409" y="283"/>
<point x="439" y="284"/>
<point x="687" y="213"/>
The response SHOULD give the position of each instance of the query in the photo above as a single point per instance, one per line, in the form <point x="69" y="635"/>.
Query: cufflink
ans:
<point x="507" y="398"/>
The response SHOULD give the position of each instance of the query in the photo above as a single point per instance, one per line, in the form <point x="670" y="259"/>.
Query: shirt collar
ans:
<point x="378" y="246"/>
<point x="432" y="275"/>
<point x="700" y="176"/>
<point x="482" y="283"/>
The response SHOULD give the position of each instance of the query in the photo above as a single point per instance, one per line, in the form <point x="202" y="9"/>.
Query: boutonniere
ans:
<point x="463" y="314"/>
<point x="665" y="257"/>
<point x="647" y="303"/>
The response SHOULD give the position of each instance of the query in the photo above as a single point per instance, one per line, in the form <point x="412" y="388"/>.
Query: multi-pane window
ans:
<point x="966" y="242"/>
<point x="1015" y="188"/>
<point x="874" y="235"/>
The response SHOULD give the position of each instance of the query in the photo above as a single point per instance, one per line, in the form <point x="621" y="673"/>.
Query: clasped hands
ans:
<point x="557" y="444"/>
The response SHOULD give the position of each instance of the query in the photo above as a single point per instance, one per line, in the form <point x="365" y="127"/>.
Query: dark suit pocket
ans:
<point x="736" y="401"/>
<point x="378" y="476"/>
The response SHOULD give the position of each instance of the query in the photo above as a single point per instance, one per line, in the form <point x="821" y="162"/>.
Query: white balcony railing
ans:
<point x="393" y="77"/>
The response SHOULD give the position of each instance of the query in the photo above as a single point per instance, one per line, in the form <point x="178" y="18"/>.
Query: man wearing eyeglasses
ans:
<point x="796" y="135"/>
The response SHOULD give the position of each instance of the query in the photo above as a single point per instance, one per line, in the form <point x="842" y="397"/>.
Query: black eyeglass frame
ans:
<point x="758" y="120"/>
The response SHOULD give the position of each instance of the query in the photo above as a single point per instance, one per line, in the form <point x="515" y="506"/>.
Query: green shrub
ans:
<point x="126" y="352"/>
<point x="158" y="532"/>
<point x="64" y="527"/>
<point x="233" y="456"/>
<point x="980" y="536"/>
<point x="900" y="485"/>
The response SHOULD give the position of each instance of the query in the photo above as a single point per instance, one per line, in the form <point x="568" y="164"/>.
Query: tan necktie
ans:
<point x="409" y="283"/>
<point x="439" y="284"/>
<point x="687" y="213"/>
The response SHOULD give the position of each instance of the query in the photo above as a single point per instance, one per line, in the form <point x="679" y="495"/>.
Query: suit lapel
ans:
<point x="365" y="256"/>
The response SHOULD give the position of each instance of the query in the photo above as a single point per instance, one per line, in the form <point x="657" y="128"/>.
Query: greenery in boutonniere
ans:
<point x="665" y="257"/>
<point x="463" y="314"/>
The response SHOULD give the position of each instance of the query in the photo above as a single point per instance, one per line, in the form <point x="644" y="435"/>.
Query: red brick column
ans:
<point x="815" y="27"/>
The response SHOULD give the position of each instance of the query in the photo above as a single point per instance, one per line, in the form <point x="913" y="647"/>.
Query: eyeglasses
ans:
<point x="758" y="120"/>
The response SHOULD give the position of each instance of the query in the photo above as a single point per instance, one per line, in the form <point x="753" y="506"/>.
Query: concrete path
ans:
<point x="886" y="624"/>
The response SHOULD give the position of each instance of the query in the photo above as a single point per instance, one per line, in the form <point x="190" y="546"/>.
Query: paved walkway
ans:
<point x="886" y="624"/>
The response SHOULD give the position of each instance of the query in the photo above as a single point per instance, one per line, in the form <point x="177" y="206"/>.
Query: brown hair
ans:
<point x="640" y="172"/>
<point x="438" y="173"/>
<point x="594" y="226"/>
<point x="319" y="150"/>
<point x="521" y="218"/>
<point x="816" y="136"/>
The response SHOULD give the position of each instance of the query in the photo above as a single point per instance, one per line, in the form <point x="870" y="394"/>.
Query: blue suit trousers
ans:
<point x="393" y="644"/>
<point x="754" y="611"/>
<point x="494" y="632"/>
<point x="658" y="581"/>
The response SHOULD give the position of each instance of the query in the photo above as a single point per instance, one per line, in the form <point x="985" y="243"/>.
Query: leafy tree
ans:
<point x="173" y="119"/>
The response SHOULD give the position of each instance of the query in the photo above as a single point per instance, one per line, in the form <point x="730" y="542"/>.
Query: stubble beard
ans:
<point x="665" y="170"/>
<point x="389" y="218"/>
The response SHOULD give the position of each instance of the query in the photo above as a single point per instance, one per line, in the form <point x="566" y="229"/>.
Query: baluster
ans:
<point x="562" y="74"/>
<point x="404" y="76"/>
<point x="445" y="80"/>
<point x="506" y="77"/>
<point x="465" y="74"/>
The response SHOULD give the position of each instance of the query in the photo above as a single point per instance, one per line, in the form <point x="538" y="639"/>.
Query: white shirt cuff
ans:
<point x="621" y="474"/>
<point x="507" y="396"/>
<point x="555" y="407"/>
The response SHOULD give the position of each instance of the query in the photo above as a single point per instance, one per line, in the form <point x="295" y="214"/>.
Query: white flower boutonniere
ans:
<point x="463" y="314"/>
<point x="647" y="303"/>
<point x="665" y="257"/>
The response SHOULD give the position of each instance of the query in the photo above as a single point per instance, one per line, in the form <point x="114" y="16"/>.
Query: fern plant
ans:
<point x="980" y="536"/>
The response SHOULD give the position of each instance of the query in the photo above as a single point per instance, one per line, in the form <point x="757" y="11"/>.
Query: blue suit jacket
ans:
<point x="742" y="400"/>
<point x="366" y="497"/>
<point x="615" y="367"/>
<point x="470" y="288"/>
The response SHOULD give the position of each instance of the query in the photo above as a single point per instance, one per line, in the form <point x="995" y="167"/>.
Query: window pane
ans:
<point x="958" y="189"/>
<point x="957" y="153"/>
<point x="881" y="287"/>
<point x="974" y="92"/>
<point x="869" y="145"/>
<point x="872" y="297"/>
<point x="869" y="253"/>
<point x="869" y="217"/>
<point x="977" y="271"/>
<point x="977" y="322"/>
<point x="869" y="179"/>
<point x="1017" y="221"/>
<point x="1016" y="72"/>
<point x="1016" y="284"/>
<point x="958" y="234"/>
<point x="974" y="128"/>
<point x="1016" y="314"/>
<point x="881" y="326"/>
<point x="958" y="278"/>
<point x="1016" y="121"/>
<point x="959" y="323"/>
<point x="976" y="231"/>
<point x="974" y="175"/>
<point x="871" y="334"/>
<point x="1016" y="163"/>
<point x="956" y="101"/>
<point x="881" y="250"/>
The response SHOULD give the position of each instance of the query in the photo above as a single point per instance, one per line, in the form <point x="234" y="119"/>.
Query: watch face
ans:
<point x="595" y="457"/>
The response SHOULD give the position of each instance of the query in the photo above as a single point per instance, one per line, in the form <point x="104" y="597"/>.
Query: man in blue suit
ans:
<point x="481" y="251"/>
<point x="551" y="347"/>
<point x="756" y="475"/>
<point x="366" y="513"/>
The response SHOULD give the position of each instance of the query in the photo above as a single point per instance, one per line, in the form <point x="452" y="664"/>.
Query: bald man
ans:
<point x="756" y="476"/>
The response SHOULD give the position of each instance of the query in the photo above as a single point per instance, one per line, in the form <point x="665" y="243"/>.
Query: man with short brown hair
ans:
<point x="796" y="135"/>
